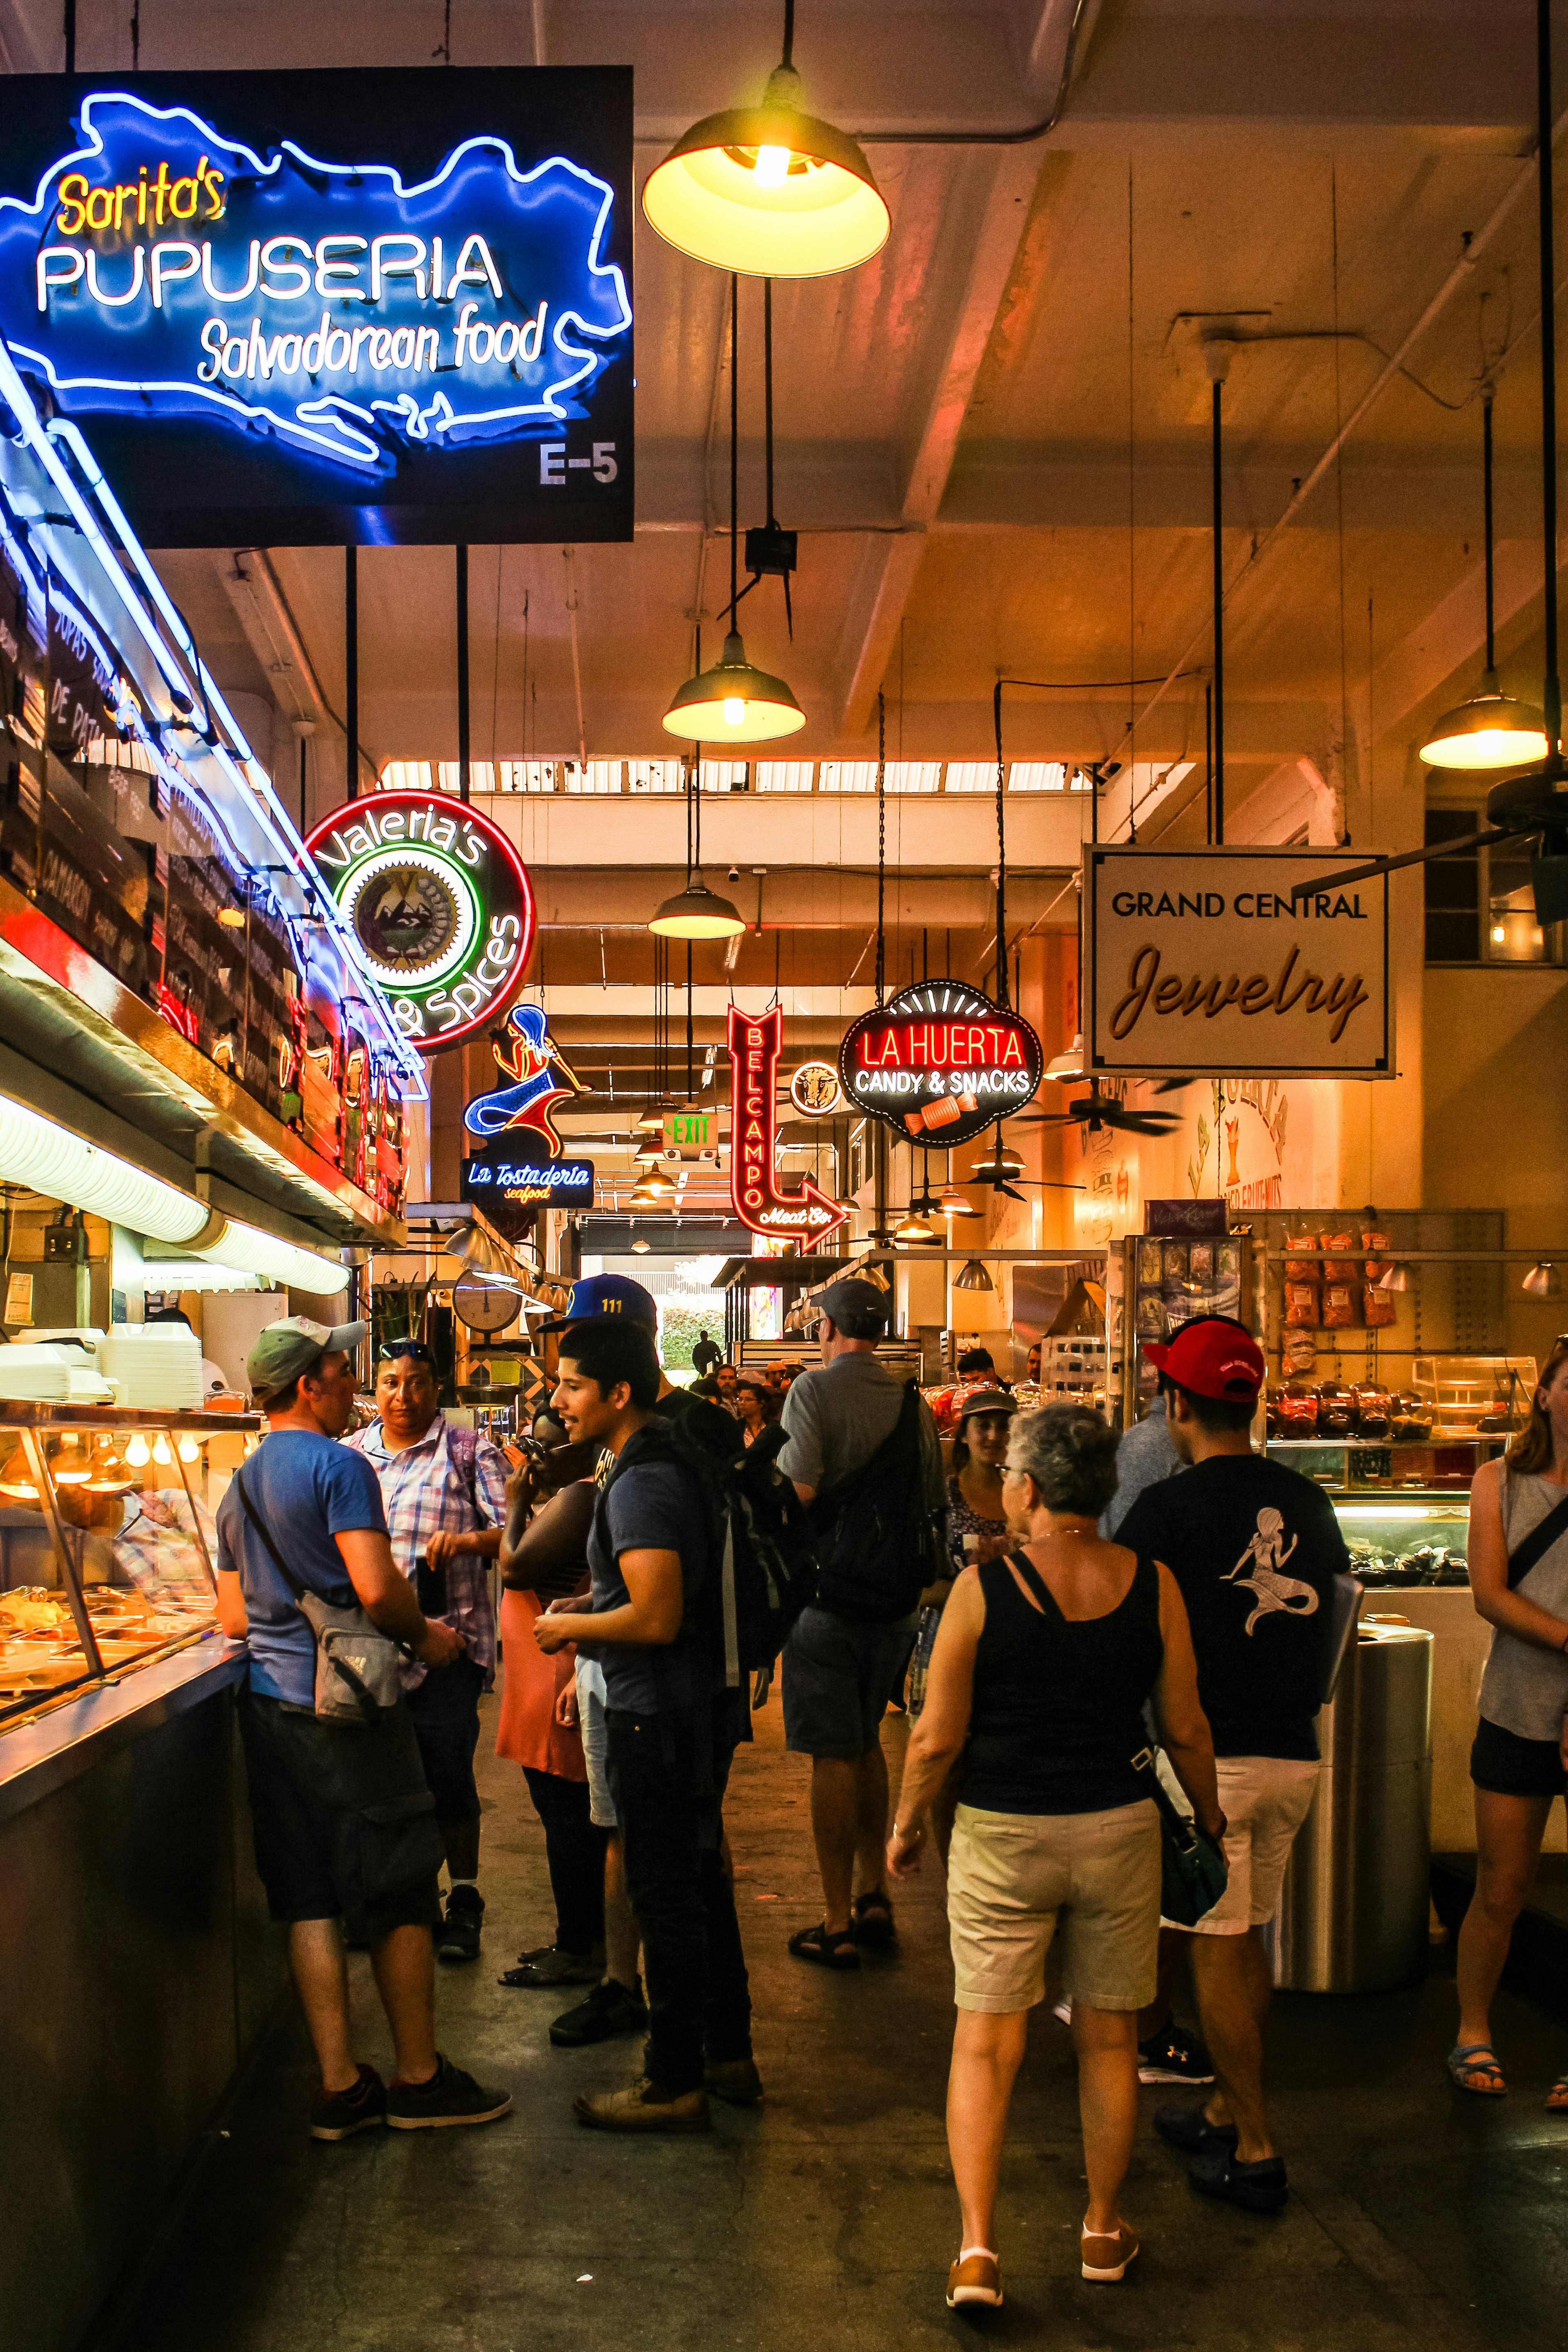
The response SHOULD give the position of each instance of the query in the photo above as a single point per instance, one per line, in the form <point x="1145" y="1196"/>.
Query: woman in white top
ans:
<point x="1520" y="1761"/>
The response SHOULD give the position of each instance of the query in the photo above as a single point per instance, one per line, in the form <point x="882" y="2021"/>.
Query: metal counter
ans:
<point x="138" y="1969"/>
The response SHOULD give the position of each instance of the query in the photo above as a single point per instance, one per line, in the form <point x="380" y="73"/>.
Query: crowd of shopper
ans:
<point x="1113" y="1656"/>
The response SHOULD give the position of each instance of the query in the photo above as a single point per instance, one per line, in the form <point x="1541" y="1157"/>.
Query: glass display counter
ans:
<point x="107" y="1542"/>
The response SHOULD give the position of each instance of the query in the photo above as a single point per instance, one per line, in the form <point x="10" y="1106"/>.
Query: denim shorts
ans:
<point x="838" y="1676"/>
<point x="590" y="1720"/>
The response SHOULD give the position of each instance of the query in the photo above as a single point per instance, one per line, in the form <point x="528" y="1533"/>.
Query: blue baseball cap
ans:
<point x="607" y="1294"/>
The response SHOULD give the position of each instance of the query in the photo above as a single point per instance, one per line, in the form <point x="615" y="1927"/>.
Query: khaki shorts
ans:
<point x="1011" y="1877"/>
<point x="1265" y="1800"/>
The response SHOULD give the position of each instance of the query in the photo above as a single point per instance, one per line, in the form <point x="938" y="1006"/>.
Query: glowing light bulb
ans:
<point x="189" y="1449"/>
<point x="138" y="1450"/>
<point x="734" y="710"/>
<point x="161" y="1451"/>
<point x="771" y="166"/>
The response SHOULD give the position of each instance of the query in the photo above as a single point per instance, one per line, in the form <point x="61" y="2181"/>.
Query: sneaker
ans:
<point x="1259" y="2188"/>
<point x="457" y="1937"/>
<point x="1106" y="2256"/>
<point x="1190" y="2129"/>
<point x="610" y="2009"/>
<point x="1173" y="2056"/>
<point x="1062" y="2009"/>
<point x="644" y="2106"/>
<point x="977" y="2278"/>
<point x="734" y="2079"/>
<point x="338" y="2115"/>
<point x="544" y="1971"/>
<point x="451" y="2096"/>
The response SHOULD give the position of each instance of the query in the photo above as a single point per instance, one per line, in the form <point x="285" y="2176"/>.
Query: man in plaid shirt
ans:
<point x="444" y="1492"/>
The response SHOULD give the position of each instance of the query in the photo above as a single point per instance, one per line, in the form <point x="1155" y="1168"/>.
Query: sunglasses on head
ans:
<point x="418" y="1350"/>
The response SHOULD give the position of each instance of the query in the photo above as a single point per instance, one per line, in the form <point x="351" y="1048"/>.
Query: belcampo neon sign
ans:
<point x="159" y="261"/>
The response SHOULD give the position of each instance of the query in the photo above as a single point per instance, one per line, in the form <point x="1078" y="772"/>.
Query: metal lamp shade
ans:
<point x="1543" y="1281"/>
<point x="768" y="191"/>
<point x="697" y="913"/>
<point x="973" y="1277"/>
<point x="733" y="703"/>
<point x="1487" y="735"/>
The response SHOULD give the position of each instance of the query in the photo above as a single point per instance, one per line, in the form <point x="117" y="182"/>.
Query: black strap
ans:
<point x="1537" y="1544"/>
<point x="1033" y="1581"/>
<point x="257" y="1521"/>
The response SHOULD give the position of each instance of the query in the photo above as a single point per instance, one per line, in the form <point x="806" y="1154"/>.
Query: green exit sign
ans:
<point x="687" y="1130"/>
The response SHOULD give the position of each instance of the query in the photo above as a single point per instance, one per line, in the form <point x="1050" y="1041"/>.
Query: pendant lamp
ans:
<point x="1543" y="1281"/>
<point x="1492" y="731"/>
<point x="1003" y="1162"/>
<point x="1067" y="1064"/>
<point x="768" y="191"/>
<point x="955" y="1203"/>
<point x="734" y="702"/>
<point x="973" y="1277"/>
<point x="640" y="1248"/>
<point x="697" y="913"/>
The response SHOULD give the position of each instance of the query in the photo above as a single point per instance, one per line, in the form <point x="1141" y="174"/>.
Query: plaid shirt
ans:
<point x="424" y="1491"/>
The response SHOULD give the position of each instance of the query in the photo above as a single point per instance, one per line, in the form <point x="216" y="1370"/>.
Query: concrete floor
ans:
<point x="1419" y="2219"/>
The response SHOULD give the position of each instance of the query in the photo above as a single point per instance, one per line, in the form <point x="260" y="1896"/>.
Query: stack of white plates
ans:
<point x="37" y="1374"/>
<point x="157" y="1366"/>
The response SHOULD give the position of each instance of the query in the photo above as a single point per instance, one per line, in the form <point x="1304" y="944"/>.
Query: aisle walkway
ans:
<point x="826" y="2219"/>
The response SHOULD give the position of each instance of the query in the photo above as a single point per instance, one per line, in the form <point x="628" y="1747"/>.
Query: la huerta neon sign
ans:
<point x="364" y="311"/>
<point x="437" y="906"/>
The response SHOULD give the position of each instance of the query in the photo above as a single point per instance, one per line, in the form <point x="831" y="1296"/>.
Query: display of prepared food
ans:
<point x="1337" y="1413"/>
<point x="1462" y="1393"/>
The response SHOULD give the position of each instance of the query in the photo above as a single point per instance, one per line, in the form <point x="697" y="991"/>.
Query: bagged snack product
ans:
<point x="1374" y="1266"/>
<point x="1378" y="1306"/>
<point x="1298" y="1410"/>
<point x="1298" y="1352"/>
<point x="1339" y="1269"/>
<point x="1298" y="1243"/>
<point x="1339" y="1306"/>
<point x="1150" y="1264"/>
<point x="1301" y="1305"/>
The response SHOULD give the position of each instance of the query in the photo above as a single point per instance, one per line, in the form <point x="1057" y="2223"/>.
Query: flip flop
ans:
<point x="1468" y="2059"/>
<point x="828" y="1951"/>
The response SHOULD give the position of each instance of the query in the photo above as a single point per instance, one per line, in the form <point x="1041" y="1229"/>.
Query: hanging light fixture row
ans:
<point x="1492" y="731"/>
<point x="768" y="191"/>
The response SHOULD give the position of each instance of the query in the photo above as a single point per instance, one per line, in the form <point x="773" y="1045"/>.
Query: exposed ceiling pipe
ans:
<point x="1474" y="246"/>
<point x="569" y="557"/>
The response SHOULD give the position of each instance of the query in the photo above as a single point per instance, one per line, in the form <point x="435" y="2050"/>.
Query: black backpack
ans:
<point x="759" y="1533"/>
<point x="879" y="1542"/>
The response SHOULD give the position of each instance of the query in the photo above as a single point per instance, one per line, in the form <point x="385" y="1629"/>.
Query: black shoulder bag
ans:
<point x="356" y="1663"/>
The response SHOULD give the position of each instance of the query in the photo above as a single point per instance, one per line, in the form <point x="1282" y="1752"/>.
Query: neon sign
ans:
<point x="938" y="1063"/>
<point x="512" y="1175"/>
<point x="754" y="1043"/>
<point x="532" y="1059"/>
<point x="437" y="905"/>
<point x="345" y="289"/>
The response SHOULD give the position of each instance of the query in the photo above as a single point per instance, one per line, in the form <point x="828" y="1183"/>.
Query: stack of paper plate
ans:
<point x="156" y="1366"/>
<point x="37" y="1374"/>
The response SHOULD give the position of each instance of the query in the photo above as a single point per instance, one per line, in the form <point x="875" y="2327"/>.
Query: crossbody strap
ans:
<point x="259" y="1524"/>
<point x="1533" y="1548"/>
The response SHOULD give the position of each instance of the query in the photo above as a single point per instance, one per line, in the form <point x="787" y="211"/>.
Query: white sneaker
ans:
<point x="1063" y="2011"/>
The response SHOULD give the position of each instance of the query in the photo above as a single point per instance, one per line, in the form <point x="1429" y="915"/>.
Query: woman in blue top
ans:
<point x="1042" y="1666"/>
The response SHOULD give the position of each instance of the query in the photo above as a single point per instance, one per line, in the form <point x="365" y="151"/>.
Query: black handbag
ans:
<point x="1193" y="1871"/>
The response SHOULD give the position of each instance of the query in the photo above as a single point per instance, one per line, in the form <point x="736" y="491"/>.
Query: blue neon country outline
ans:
<point x="348" y="450"/>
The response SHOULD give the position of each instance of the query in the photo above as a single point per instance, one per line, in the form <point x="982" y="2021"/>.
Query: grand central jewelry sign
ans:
<point x="371" y="300"/>
<point x="1204" y="963"/>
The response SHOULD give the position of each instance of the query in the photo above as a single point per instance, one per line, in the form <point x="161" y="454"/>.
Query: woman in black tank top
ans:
<point x="1042" y="1669"/>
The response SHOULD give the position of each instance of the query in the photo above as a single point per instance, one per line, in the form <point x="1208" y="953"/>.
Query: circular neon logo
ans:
<point x="437" y="905"/>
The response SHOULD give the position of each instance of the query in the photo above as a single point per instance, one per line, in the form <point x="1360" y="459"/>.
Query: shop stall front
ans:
<point x="204" y="1125"/>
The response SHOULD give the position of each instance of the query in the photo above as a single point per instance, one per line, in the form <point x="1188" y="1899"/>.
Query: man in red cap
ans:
<point x="1255" y="1549"/>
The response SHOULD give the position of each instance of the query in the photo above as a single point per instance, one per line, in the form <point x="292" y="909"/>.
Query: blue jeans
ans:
<point x="668" y="1772"/>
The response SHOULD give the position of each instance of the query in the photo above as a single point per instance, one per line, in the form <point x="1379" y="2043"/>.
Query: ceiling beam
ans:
<point x="986" y="222"/>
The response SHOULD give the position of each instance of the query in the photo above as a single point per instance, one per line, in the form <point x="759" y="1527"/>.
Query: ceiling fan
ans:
<point x="1097" y="1111"/>
<point x="1492" y="732"/>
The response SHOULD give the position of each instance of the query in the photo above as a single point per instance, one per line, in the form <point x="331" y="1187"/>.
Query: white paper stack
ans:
<point x="157" y="1366"/>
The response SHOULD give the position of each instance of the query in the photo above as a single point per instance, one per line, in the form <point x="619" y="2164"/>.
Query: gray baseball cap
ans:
<point x="284" y="1351"/>
<point x="858" y="1309"/>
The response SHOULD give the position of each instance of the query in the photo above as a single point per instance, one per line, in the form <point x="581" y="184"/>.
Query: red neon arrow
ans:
<point x="809" y="1214"/>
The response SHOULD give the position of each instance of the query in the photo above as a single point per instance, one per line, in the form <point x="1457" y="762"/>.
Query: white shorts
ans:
<point x="590" y="1718"/>
<point x="1265" y="1800"/>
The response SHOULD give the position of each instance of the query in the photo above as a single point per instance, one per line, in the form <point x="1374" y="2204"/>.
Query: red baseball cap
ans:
<point x="1214" y="1356"/>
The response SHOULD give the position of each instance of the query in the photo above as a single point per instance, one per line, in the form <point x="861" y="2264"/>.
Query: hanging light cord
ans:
<point x="1001" y="865"/>
<point x="1487" y="527"/>
<point x="735" y="439"/>
<point x="787" y="60"/>
<point x="881" y="845"/>
<point x="1554" y="695"/>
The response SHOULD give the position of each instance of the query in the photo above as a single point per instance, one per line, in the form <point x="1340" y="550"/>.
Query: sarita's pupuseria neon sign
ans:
<point x="437" y="905"/>
<point x="457" y="290"/>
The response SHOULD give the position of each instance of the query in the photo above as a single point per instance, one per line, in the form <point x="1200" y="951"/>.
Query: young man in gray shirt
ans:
<point x="847" y="1653"/>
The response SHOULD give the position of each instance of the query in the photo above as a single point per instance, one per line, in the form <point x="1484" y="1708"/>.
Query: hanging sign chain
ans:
<point x="882" y="846"/>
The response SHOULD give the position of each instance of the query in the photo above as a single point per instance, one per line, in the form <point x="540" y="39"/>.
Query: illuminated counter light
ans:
<point x="938" y="1063"/>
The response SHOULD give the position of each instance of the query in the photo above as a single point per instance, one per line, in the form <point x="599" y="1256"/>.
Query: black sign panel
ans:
<point x="518" y="1174"/>
<point x="939" y="1062"/>
<point x="347" y="305"/>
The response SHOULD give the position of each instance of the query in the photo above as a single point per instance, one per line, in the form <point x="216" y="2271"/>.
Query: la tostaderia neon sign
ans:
<point x="161" y="264"/>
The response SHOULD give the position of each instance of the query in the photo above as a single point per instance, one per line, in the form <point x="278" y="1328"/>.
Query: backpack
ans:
<point x="759" y="1532"/>
<point x="879" y="1542"/>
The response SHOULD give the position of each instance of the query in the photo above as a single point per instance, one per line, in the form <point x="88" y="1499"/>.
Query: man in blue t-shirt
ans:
<point x="343" y="1820"/>
<point x="670" y="1727"/>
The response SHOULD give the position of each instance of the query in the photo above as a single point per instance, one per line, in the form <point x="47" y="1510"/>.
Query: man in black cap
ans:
<point x="343" y="1819"/>
<point x="848" y="1652"/>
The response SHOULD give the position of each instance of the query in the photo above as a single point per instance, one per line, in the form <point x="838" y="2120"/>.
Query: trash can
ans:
<point x="1353" y="1913"/>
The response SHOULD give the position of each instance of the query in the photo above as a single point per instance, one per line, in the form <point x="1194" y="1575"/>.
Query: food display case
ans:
<point x="106" y="1543"/>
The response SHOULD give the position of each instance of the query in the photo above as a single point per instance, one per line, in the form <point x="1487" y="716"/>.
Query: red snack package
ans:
<point x="1301" y="1303"/>
<point x="1339" y="1269"/>
<point x="1339" y="1306"/>
<point x="1374" y="1266"/>
<point x="1379" y="1307"/>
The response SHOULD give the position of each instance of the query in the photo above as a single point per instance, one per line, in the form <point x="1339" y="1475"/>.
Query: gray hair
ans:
<point x="1070" y="1451"/>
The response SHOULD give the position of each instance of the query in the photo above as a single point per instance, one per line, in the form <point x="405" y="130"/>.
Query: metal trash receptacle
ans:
<point x="1354" y="1912"/>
